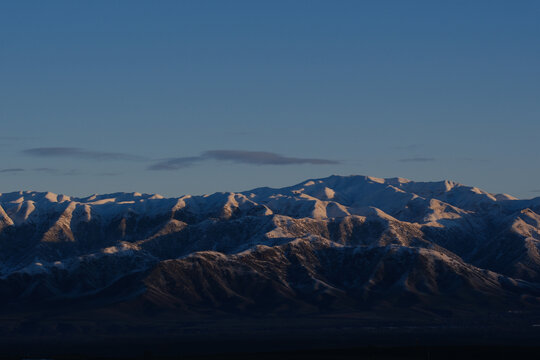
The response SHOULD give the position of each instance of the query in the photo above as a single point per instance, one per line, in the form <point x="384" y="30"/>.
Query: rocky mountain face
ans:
<point x="327" y="245"/>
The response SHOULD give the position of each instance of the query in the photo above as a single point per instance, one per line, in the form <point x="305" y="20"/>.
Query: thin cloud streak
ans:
<point x="262" y="158"/>
<point x="237" y="156"/>
<point x="417" y="159"/>
<point x="79" y="153"/>
<point x="12" y="170"/>
<point x="47" y="170"/>
<point x="53" y="171"/>
<point x="176" y="163"/>
<point x="43" y="170"/>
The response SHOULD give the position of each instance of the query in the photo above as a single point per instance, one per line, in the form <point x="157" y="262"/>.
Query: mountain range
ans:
<point x="332" y="245"/>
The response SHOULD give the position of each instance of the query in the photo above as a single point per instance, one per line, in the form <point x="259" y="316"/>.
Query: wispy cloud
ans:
<point x="11" y="170"/>
<point x="238" y="156"/>
<point x="176" y="163"/>
<point x="79" y="153"/>
<point x="262" y="158"/>
<point x="72" y="172"/>
<point x="54" y="171"/>
<point x="47" y="170"/>
<point x="417" y="159"/>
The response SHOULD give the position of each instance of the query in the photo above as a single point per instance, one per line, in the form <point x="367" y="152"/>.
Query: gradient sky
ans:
<point x="177" y="97"/>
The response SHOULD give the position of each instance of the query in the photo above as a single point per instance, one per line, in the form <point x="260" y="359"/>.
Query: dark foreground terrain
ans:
<point x="369" y="335"/>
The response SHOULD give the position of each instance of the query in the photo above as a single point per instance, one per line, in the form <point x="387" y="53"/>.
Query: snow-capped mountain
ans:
<point x="332" y="244"/>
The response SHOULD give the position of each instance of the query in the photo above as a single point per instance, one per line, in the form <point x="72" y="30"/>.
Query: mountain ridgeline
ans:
<point x="338" y="244"/>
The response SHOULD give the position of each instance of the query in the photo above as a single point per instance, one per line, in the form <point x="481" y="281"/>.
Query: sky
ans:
<point x="193" y="97"/>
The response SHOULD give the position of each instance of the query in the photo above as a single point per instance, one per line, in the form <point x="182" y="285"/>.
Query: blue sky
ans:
<point x="176" y="97"/>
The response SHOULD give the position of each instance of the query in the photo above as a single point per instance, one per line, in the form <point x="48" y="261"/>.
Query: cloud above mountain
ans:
<point x="239" y="157"/>
<point x="11" y="170"/>
<point x="79" y="153"/>
<point x="262" y="158"/>
<point x="43" y="170"/>
<point x="175" y="163"/>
